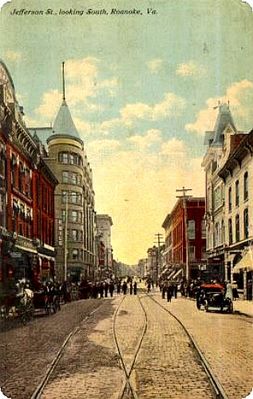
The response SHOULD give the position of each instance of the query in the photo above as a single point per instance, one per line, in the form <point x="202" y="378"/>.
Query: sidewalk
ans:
<point x="243" y="307"/>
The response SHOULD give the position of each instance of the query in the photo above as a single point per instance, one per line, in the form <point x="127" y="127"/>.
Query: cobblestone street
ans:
<point x="166" y="366"/>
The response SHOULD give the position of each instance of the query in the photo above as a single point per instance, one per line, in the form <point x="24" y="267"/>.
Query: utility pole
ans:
<point x="158" y="242"/>
<point x="185" y="197"/>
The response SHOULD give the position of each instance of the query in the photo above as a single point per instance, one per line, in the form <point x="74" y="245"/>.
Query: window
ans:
<point x="237" y="228"/>
<point x="71" y="159"/>
<point x="64" y="157"/>
<point x="191" y="229"/>
<point x="75" y="254"/>
<point x="237" y="193"/>
<point x="203" y="229"/>
<point x="64" y="196"/>
<point x="230" y="231"/>
<point x="222" y="232"/>
<point x="217" y="234"/>
<point x="230" y="199"/>
<point x="75" y="198"/>
<point x="74" y="236"/>
<point x="74" y="216"/>
<point x="65" y="177"/>
<point x="246" y="222"/>
<point x="63" y="215"/>
<point x="246" y="186"/>
<point x="191" y="252"/>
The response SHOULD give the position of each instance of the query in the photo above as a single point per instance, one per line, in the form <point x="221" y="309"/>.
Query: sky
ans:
<point x="142" y="90"/>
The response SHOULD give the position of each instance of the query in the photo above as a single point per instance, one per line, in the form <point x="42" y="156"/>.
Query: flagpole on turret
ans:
<point x="63" y="82"/>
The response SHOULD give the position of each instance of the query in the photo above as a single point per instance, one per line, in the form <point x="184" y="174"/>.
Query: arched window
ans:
<point x="222" y="232"/>
<point x="230" y="231"/>
<point x="237" y="193"/>
<point x="246" y="222"/>
<point x="246" y="186"/>
<point x="237" y="228"/>
<point x="230" y="199"/>
<point x="217" y="234"/>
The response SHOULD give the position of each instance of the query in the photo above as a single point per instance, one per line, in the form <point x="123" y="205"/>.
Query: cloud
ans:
<point x="49" y="105"/>
<point x="190" y="69"/>
<point x="240" y="96"/>
<point x="100" y="148"/>
<point x="171" y="105"/>
<point x="174" y="148"/>
<point x="155" y="65"/>
<point x="13" y="56"/>
<point x="152" y="136"/>
<point x="83" y="85"/>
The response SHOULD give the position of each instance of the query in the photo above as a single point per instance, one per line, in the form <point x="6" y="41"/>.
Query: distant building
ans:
<point x="142" y="267"/>
<point x="185" y="250"/>
<point x="152" y="263"/>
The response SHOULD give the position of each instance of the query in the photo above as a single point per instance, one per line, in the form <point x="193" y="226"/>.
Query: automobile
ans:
<point x="215" y="297"/>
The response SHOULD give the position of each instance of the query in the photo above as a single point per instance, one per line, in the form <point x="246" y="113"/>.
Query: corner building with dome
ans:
<point x="74" y="200"/>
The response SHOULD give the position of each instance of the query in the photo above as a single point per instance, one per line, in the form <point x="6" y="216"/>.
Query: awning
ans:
<point x="177" y="273"/>
<point x="246" y="263"/>
<point x="26" y="249"/>
<point x="171" y="274"/>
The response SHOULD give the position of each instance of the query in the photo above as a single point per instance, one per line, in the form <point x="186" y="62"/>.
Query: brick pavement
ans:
<point x="224" y="339"/>
<point x="89" y="367"/>
<point x="167" y="366"/>
<point x="26" y="351"/>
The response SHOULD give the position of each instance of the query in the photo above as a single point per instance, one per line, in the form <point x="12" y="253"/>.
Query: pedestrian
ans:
<point x="135" y="288"/>
<point x="101" y="289"/>
<point x="169" y="293"/>
<point x="131" y="288"/>
<point x="124" y="288"/>
<point x="106" y="287"/>
<point x="111" y="288"/>
<point x="175" y="291"/>
<point x="118" y="287"/>
<point x="149" y="286"/>
<point x="164" y="289"/>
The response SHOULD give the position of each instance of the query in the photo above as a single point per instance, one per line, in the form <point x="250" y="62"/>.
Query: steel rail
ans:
<point x="38" y="391"/>
<point x="216" y="385"/>
<point x="128" y="370"/>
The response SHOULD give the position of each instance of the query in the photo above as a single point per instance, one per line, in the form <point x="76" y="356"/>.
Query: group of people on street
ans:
<point x="106" y="288"/>
<point x="168" y="290"/>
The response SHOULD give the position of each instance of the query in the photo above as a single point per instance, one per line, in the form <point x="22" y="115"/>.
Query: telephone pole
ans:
<point x="185" y="197"/>
<point x="158" y="242"/>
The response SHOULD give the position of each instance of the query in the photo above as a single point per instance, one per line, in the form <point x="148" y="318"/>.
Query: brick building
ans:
<point x="26" y="191"/>
<point x="185" y="250"/>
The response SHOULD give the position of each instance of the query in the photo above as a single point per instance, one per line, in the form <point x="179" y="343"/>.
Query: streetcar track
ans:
<point x="41" y="386"/>
<point x="127" y="386"/>
<point x="217" y="387"/>
<point x="128" y="370"/>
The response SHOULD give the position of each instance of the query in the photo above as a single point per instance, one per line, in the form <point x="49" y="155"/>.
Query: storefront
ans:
<point x="243" y="273"/>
